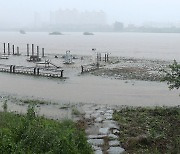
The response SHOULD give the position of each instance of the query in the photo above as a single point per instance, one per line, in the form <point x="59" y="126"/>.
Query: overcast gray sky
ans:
<point x="128" y="11"/>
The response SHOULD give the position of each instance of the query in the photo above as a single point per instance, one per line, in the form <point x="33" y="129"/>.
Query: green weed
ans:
<point x="28" y="133"/>
<point x="149" y="130"/>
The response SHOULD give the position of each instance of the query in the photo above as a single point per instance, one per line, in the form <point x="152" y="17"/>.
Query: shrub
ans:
<point x="31" y="134"/>
<point x="5" y="107"/>
<point x="173" y="75"/>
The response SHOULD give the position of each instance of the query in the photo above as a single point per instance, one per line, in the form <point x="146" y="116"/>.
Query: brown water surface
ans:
<point x="90" y="89"/>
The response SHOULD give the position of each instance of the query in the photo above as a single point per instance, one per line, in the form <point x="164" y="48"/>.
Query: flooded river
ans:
<point x="90" y="89"/>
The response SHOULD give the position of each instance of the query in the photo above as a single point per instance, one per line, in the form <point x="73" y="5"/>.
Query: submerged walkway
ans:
<point x="35" y="71"/>
<point x="102" y="131"/>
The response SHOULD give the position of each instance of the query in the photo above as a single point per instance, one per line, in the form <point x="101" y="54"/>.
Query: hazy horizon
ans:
<point x="22" y="12"/>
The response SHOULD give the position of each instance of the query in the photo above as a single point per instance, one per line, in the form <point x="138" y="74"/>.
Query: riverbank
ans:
<point x="105" y="125"/>
<point x="132" y="69"/>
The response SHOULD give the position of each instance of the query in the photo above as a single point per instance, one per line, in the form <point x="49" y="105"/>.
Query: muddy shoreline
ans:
<point x="132" y="69"/>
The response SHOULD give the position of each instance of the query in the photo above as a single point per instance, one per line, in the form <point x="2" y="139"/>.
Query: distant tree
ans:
<point x="118" y="26"/>
<point x="172" y="76"/>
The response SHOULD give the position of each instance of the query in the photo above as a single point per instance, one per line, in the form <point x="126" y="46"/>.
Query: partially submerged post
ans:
<point x="8" y="48"/>
<point x="62" y="73"/>
<point x="82" y="68"/>
<point x="43" y="52"/>
<point x="107" y="57"/>
<point x="37" y="71"/>
<point x="27" y="49"/>
<point x="34" y="71"/>
<point x="32" y="49"/>
<point x="37" y="51"/>
<point x="17" y="50"/>
<point x="4" y="48"/>
<point x="13" y="49"/>
<point x="13" y="69"/>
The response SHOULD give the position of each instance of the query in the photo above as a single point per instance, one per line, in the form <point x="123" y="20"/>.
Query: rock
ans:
<point x="100" y="112"/>
<point x="104" y="130"/>
<point x="99" y="119"/>
<point x="95" y="115"/>
<point x="114" y="143"/>
<point x="115" y="150"/>
<point x="110" y="111"/>
<point x="96" y="142"/>
<point x="112" y="136"/>
<point x="89" y="112"/>
<point x="115" y="131"/>
<point x="109" y="117"/>
<point x="108" y="121"/>
<point x="87" y="116"/>
<point x="112" y="125"/>
<point x="96" y="136"/>
<point x="96" y="148"/>
<point x="108" y="114"/>
<point x="98" y="152"/>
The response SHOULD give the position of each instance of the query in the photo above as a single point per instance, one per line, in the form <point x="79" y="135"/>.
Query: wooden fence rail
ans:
<point x="35" y="71"/>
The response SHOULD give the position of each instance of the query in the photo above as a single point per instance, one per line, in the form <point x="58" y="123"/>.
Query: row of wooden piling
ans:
<point x="17" y="50"/>
<point x="100" y="58"/>
<point x="35" y="71"/>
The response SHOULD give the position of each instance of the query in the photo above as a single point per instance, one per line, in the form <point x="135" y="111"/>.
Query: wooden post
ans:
<point x="42" y="52"/>
<point x="27" y="49"/>
<point x="4" y="48"/>
<point x="105" y="57"/>
<point x="34" y="70"/>
<point x="38" y="52"/>
<point x="37" y="71"/>
<point x="8" y="48"/>
<point x="17" y="50"/>
<point x="13" y="49"/>
<point x="32" y="49"/>
<point x="13" y="69"/>
<point x="62" y="73"/>
<point x="97" y="56"/>
<point x="82" y="69"/>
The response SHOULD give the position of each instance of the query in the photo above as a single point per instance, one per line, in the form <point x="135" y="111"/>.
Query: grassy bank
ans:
<point x="31" y="134"/>
<point x="149" y="130"/>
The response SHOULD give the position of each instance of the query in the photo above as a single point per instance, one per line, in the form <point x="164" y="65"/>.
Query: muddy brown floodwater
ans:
<point x="90" y="89"/>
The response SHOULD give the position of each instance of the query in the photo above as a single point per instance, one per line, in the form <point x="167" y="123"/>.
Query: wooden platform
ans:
<point x="34" y="71"/>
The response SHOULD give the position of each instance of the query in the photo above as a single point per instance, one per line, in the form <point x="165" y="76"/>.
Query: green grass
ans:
<point x="75" y="111"/>
<point x="149" y="130"/>
<point x="21" y="134"/>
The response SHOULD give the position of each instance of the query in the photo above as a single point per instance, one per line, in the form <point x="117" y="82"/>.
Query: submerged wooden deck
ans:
<point x="34" y="71"/>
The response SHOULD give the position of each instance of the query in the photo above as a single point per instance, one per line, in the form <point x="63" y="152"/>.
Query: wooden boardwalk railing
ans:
<point x="35" y="71"/>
